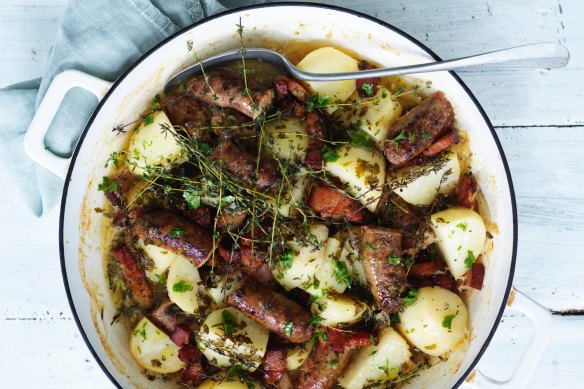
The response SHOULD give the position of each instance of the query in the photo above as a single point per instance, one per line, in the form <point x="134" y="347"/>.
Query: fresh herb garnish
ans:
<point x="369" y="246"/>
<point x="342" y="274"/>
<point x="358" y="138"/>
<point x="182" y="287"/>
<point x="330" y="154"/>
<point x="394" y="259"/>
<point x="462" y="226"/>
<point x="192" y="198"/>
<point x="286" y="259"/>
<point x="176" y="232"/>
<point x="149" y="119"/>
<point x="397" y="138"/>
<point x="394" y="318"/>
<point x="368" y="89"/>
<point x="205" y="148"/>
<point x="320" y="335"/>
<point x="288" y="329"/>
<point x="317" y="102"/>
<point x="469" y="260"/>
<point x="409" y="299"/>
<point x="229" y="322"/>
<point x="447" y="322"/>
<point x="315" y="320"/>
<point x="236" y="372"/>
<point x="332" y="362"/>
<point x="107" y="185"/>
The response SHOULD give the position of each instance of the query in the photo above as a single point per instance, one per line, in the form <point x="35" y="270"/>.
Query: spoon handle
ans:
<point x="537" y="55"/>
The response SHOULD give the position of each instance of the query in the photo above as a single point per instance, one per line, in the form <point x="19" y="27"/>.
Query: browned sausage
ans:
<point x="323" y="367"/>
<point x="274" y="311"/>
<point x="243" y="165"/>
<point x="386" y="281"/>
<point x="134" y="276"/>
<point x="230" y="221"/>
<point x="396" y="213"/>
<point x="227" y="90"/>
<point x="175" y="233"/>
<point x="418" y="129"/>
<point x="182" y="108"/>
<point x="226" y="124"/>
<point x="332" y="204"/>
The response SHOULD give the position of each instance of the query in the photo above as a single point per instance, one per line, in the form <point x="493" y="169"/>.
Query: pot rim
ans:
<point x="300" y="5"/>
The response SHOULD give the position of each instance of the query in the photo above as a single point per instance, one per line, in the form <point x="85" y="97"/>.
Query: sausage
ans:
<point x="134" y="276"/>
<point x="274" y="311"/>
<point x="396" y="213"/>
<point x="175" y="233"/>
<point x="333" y="204"/>
<point x="243" y="165"/>
<point x="225" y="89"/>
<point x="386" y="281"/>
<point x="227" y="124"/>
<point x="323" y="367"/>
<point x="284" y="86"/>
<point x="418" y="129"/>
<point x="182" y="108"/>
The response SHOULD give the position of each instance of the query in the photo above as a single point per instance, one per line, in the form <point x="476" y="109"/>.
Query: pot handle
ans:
<point x="543" y="322"/>
<point x="34" y="139"/>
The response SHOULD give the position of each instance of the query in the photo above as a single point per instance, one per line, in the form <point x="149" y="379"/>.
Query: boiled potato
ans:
<point x="376" y="115"/>
<point x="436" y="323"/>
<point x="308" y="256"/>
<point x="350" y="256"/>
<point x="339" y="310"/>
<point x="288" y="138"/>
<point x="246" y="345"/>
<point x="295" y="197"/>
<point x="460" y="236"/>
<point x="223" y="384"/>
<point x="326" y="272"/>
<point x="423" y="189"/>
<point x="182" y="284"/>
<point x="363" y="171"/>
<point x="161" y="258"/>
<point x="297" y="354"/>
<point x="153" y="349"/>
<point x="223" y="288"/>
<point x="151" y="145"/>
<point x="377" y="364"/>
<point x="330" y="60"/>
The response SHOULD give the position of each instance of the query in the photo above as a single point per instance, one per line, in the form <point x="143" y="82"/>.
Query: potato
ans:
<point x="330" y="60"/>
<point x="350" y="256"/>
<point x="375" y="365"/>
<point x="460" y="236"/>
<point x="296" y="196"/>
<point x="182" y="284"/>
<point x="223" y="288"/>
<point x="436" y="323"/>
<point x="296" y="354"/>
<point x="376" y="115"/>
<point x="160" y="257"/>
<point x="307" y="259"/>
<point x="151" y="145"/>
<point x="423" y="189"/>
<point x="289" y="139"/>
<point x="364" y="172"/>
<point x="326" y="272"/>
<point x="223" y="384"/>
<point x="153" y="349"/>
<point x="246" y="345"/>
<point x="338" y="310"/>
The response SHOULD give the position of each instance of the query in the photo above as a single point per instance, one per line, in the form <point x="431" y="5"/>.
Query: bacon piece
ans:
<point x="423" y="270"/>
<point x="442" y="144"/>
<point x="317" y="132"/>
<point x="181" y="334"/>
<point x="189" y="354"/>
<point x="167" y="316"/>
<point x="194" y="372"/>
<point x="274" y="364"/>
<point x="373" y="81"/>
<point x="444" y="281"/>
<point x="339" y="340"/>
<point x="333" y="204"/>
<point x="134" y="276"/>
<point x="477" y="275"/>
<point x="468" y="189"/>
<point x="284" y="86"/>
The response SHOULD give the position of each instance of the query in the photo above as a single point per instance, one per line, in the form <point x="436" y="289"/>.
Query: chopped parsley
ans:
<point x="394" y="259"/>
<point x="447" y="322"/>
<point x="286" y="259"/>
<point x="182" y="287"/>
<point x="469" y="260"/>
<point x="205" y="148"/>
<point x="332" y="362"/>
<point x="342" y="274"/>
<point x="236" y="372"/>
<point x="317" y="102"/>
<point x="192" y="198"/>
<point x="409" y="299"/>
<point x="462" y="226"/>
<point x="397" y="138"/>
<point x="176" y="232"/>
<point x="359" y="138"/>
<point x="394" y="318"/>
<point x="149" y="119"/>
<point x="330" y="154"/>
<point x="320" y="335"/>
<point x="288" y="329"/>
<point x="425" y="136"/>
<point x="315" y="320"/>
<point x="368" y="89"/>
<point x="107" y="185"/>
<point x="229" y="322"/>
<point x="368" y="246"/>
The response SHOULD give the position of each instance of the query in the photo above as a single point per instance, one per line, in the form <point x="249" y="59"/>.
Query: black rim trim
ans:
<point x="276" y="4"/>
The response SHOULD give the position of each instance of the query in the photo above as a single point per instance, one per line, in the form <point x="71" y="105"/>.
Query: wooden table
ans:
<point x="539" y="117"/>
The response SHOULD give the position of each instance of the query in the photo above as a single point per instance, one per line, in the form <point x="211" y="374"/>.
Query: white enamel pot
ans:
<point x="81" y="238"/>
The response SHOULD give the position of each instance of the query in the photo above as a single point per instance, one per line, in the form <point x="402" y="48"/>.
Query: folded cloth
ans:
<point x="101" y="38"/>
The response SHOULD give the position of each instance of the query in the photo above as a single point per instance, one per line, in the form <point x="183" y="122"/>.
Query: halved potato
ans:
<point x="330" y="60"/>
<point x="436" y="323"/>
<point x="423" y="189"/>
<point x="182" y="284"/>
<point x="326" y="272"/>
<point x="223" y="288"/>
<point x="153" y="145"/>
<point x="375" y="365"/>
<point x="289" y="139"/>
<point x="162" y="258"/>
<point x="223" y="384"/>
<point x="245" y="345"/>
<point x="153" y="349"/>
<point x="339" y="310"/>
<point x="297" y="354"/>
<point x="376" y="115"/>
<point x="295" y="197"/>
<point x="460" y="236"/>
<point x="363" y="171"/>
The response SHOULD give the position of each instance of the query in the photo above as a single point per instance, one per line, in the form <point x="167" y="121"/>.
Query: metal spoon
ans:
<point x="536" y="55"/>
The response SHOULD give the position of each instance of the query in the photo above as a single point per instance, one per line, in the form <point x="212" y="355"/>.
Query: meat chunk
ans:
<point x="243" y="165"/>
<point x="230" y="124"/>
<point x="181" y="335"/>
<point x="231" y="221"/>
<point x="467" y="191"/>
<point x="167" y="316"/>
<point x="226" y="89"/>
<point x="201" y="216"/>
<point x="373" y="81"/>
<point x="319" y="372"/>
<point x="134" y="276"/>
<point x="386" y="281"/>
<point x="274" y="311"/>
<point x="396" y="213"/>
<point x="418" y="129"/>
<point x="175" y="233"/>
<point x="123" y="182"/>
<point x="340" y="340"/>
<point x="333" y="204"/>
<point x="274" y="363"/>
<point x="286" y="382"/>
<point x="181" y="108"/>
<point x="194" y="371"/>
<point x="450" y="139"/>
<point x="318" y="134"/>
<point x="284" y="86"/>
<point x="477" y="275"/>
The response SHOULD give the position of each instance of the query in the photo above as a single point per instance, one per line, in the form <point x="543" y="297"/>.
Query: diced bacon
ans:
<point x="274" y="364"/>
<point x="332" y="204"/>
<point x="442" y="144"/>
<point x="423" y="270"/>
<point x="477" y="275"/>
<point x="193" y="373"/>
<point x="339" y="340"/>
<point x="281" y="88"/>
<point x="181" y="335"/>
<point x="373" y="81"/>
<point x="189" y="354"/>
<point x="467" y="191"/>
